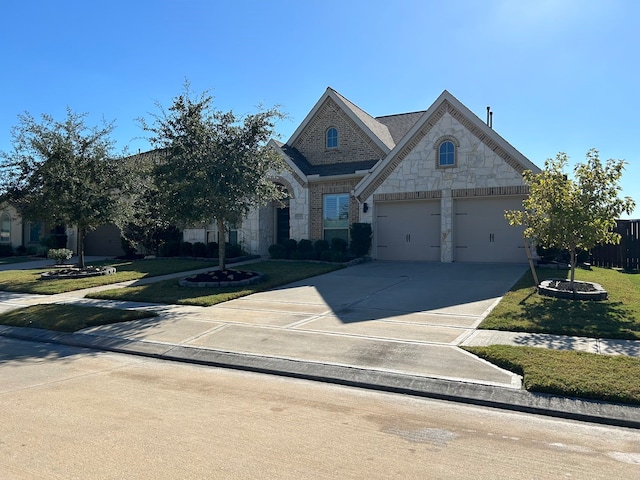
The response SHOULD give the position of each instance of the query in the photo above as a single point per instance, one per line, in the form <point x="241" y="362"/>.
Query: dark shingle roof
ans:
<point x="400" y="124"/>
<point x="327" y="169"/>
<point x="380" y="130"/>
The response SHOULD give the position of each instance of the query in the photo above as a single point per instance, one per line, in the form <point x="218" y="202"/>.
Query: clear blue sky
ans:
<point x="559" y="75"/>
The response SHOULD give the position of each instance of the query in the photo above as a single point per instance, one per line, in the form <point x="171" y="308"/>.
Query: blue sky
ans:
<point x="559" y="75"/>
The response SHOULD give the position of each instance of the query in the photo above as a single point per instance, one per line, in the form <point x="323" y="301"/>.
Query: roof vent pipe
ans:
<point x="488" y="109"/>
<point x="490" y="119"/>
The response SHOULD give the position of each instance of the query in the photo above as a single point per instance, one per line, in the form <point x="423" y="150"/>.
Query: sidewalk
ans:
<point x="302" y="331"/>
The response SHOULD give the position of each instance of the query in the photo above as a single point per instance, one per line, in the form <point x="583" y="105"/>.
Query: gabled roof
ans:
<point x="445" y="103"/>
<point x="303" y="168"/>
<point x="375" y="130"/>
<point x="400" y="124"/>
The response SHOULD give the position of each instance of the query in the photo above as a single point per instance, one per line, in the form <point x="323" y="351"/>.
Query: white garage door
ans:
<point x="408" y="230"/>
<point x="482" y="234"/>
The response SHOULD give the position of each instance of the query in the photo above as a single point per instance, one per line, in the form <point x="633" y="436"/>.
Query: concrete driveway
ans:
<point x="398" y="317"/>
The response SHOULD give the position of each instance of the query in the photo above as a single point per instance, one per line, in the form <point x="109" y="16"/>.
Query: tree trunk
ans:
<point x="81" y="235"/>
<point x="221" y="244"/>
<point x="573" y="271"/>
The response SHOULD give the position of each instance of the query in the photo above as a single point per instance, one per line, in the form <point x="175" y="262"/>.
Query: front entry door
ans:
<point x="282" y="224"/>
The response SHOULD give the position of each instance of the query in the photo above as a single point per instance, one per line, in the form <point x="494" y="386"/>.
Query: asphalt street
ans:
<point x="78" y="413"/>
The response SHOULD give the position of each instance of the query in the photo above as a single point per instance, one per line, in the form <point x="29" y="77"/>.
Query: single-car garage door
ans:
<point x="408" y="230"/>
<point x="482" y="234"/>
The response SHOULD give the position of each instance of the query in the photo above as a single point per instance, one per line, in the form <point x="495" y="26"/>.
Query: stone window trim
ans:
<point x="437" y="147"/>
<point x="331" y="138"/>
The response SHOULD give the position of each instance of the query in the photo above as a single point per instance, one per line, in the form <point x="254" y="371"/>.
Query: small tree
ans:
<point x="217" y="164"/>
<point x="573" y="214"/>
<point x="64" y="173"/>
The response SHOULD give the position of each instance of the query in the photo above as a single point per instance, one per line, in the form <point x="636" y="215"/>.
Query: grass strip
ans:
<point x="29" y="281"/>
<point x="68" y="318"/>
<point x="523" y="310"/>
<point x="275" y="274"/>
<point x="569" y="373"/>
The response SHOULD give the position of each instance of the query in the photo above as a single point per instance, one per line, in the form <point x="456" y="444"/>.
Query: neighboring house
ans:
<point x="434" y="184"/>
<point x="18" y="233"/>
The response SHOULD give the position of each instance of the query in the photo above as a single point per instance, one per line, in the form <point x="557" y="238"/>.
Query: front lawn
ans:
<point x="569" y="373"/>
<point x="168" y="291"/>
<point x="523" y="310"/>
<point x="28" y="281"/>
<point x="16" y="259"/>
<point x="68" y="318"/>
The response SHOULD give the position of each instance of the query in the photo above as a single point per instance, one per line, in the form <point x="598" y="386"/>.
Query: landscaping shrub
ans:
<point x="305" y="249"/>
<point x="233" y="250"/>
<point x="290" y="245"/>
<point x="277" y="251"/>
<point x="129" y="247"/>
<point x="326" y="255"/>
<point x="59" y="255"/>
<point x="199" y="249"/>
<point x="320" y="246"/>
<point x="339" y="245"/>
<point x="360" y="238"/>
<point x="337" y="256"/>
<point x="170" y="248"/>
<point x="54" y="240"/>
<point x="187" y="249"/>
<point x="6" y="250"/>
<point x="212" y="250"/>
<point x="21" y="250"/>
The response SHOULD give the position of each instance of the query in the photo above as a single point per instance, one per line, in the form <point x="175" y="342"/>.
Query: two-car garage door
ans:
<point x="411" y="230"/>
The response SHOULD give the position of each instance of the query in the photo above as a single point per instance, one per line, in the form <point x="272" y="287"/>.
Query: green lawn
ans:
<point x="569" y="373"/>
<point x="168" y="291"/>
<point x="28" y="281"/>
<point x="68" y="318"/>
<point x="17" y="259"/>
<point x="523" y="310"/>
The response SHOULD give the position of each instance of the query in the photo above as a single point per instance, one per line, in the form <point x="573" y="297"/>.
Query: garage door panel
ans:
<point x="482" y="234"/>
<point x="408" y="231"/>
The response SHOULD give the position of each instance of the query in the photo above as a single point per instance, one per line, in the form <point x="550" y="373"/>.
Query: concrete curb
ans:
<point x="457" y="391"/>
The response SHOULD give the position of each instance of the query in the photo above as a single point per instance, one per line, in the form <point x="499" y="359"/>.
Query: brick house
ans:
<point x="434" y="184"/>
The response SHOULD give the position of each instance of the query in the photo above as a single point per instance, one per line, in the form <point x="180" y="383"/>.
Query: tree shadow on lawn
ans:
<point x="581" y="318"/>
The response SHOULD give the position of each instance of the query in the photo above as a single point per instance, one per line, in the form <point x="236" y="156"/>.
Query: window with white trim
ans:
<point x="332" y="137"/>
<point x="336" y="216"/>
<point x="447" y="154"/>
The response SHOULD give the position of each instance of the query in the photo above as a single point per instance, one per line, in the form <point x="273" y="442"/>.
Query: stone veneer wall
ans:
<point x="353" y="144"/>
<point x="479" y="171"/>
<point x="257" y="231"/>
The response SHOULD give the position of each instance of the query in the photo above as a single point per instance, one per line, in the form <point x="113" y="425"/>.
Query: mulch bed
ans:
<point x="221" y="278"/>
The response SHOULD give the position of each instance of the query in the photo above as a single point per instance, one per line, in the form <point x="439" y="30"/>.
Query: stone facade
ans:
<point x="485" y="166"/>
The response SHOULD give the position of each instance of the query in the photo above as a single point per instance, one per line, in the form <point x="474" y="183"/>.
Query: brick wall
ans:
<point x="353" y="144"/>
<point x="317" y="190"/>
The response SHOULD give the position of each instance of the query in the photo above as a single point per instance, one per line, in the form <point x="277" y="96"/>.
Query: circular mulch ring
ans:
<point x="222" y="278"/>
<point x="75" y="272"/>
<point x="561" y="288"/>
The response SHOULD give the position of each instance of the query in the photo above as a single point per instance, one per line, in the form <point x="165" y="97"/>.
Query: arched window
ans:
<point x="5" y="228"/>
<point x="332" y="137"/>
<point x="446" y="154"/>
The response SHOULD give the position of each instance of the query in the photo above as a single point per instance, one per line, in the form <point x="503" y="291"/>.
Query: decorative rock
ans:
<point x="584" y="290"/>
<point x="75" y="272"/>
